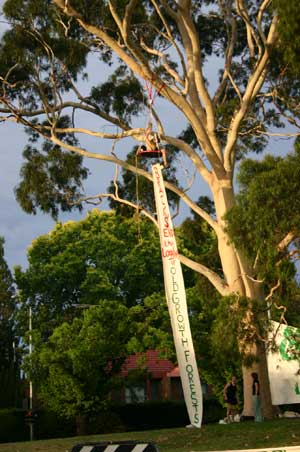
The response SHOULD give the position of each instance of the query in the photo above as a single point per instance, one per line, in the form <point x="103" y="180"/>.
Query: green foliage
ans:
<point x="197" y="240"/>
<point x="7" y="308"/>
<point x="74" y="371"/>
<point x="25" y="47"/>
<point x="50" y="178"/>
<point x="122" y="94"/>
<point x="9" y="342"/>
<point x="102" y="256"/>
<point x="213" y="319"/>
<point x="106" y="256"/>
<point x="41" y="60"/>
<point x="152" y="326"/>
<point x="266" y="212"/>
<point x="289" y="31"/>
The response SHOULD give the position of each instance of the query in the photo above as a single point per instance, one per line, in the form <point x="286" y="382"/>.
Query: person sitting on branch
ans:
<point x="152" y="148"/>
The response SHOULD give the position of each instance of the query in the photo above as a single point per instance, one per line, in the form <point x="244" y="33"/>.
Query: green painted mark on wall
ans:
<point x="290" y="345"/>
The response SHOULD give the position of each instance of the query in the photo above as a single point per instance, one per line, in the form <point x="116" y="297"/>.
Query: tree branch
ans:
<point x="261" y="10"/>
<point x="250" y="30"/>
<point x="286" y="241"/>
<point x="213" y="277"/>
<point x="254" y="84"/>
<point x="189" y="151"/>
<point x="116" y="198"/>
<point x="140" y="171"/>
<point x="141" y="68"/>
<point x="196" y="67"/>
<point x="69" y="104"/>
<point x="165" y="64"/>
<point x="231" y="41"/>
<point x="170" y="37"/>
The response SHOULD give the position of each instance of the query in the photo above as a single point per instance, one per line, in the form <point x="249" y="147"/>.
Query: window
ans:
<point x="135" y="394"/>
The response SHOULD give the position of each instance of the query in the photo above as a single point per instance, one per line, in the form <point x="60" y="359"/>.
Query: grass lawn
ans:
<point x="246" y="435"/>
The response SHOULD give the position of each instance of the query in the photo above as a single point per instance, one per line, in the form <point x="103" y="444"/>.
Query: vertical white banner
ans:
<point x="176" y="300"/>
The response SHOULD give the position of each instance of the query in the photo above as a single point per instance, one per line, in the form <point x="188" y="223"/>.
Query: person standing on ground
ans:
<point x="256" y="398"/>
<point x="231" y="398"/>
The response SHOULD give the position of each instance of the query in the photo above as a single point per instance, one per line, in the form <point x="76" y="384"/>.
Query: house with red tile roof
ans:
<point x="157" y="378"/>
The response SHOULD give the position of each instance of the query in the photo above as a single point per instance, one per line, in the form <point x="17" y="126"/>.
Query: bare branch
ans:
<point x="120" y="200"/>
<point x="294" y="253"/>
<point x="283" y="309"/>
<point x="261" y="11"/>
<point x="235" y="87"/>
<point x="283" y="247"/>
<point x="189" y="151"/>
<point x="271" y="293"/>
<point x="232" y="36"/>
<point x="273" y="303"/>
<point x="254" y="84"/>
<point x="286" y="241"/>
<point x="138" y="64"/>
<point x="167" y="67"/>
<point x="137" y="134"/>
<point x="213" y="277"/>
<point x="257" y="257"/>
<point x="140" y="171"/>
<point x="251" y="33"/>
<point x="197" y="86"/>
<point x="69" y="104"/>
<point x="5" y="81"/>
<point x="170" y="37"/>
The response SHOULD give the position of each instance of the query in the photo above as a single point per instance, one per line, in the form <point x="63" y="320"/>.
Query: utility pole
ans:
<point x="30" y="353"/>
<point x="30" y="381"/>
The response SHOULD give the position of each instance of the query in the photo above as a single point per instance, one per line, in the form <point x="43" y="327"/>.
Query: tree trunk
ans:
<point x="262" y="369"/>
<point x="239" y="277"/>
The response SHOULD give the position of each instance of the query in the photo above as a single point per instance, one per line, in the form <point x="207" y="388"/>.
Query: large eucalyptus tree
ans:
<point x="154" y="48"/>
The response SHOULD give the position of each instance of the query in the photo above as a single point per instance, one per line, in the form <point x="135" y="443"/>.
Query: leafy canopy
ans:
<point x="104" y="256"/>
<point x="265" y="224"/>
<point x="76" y="369"/>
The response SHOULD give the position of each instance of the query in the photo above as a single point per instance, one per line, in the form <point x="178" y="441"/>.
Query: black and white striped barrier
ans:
<point x="120" y="446"/>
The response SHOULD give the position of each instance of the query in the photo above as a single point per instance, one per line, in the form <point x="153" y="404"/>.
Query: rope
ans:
<point x="152" y="91"/>
<point x="151" y="138"/>
<point x="152" y="94"/>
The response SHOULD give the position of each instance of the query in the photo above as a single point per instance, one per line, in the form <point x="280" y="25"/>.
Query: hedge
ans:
<point x="118" y="418"/>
